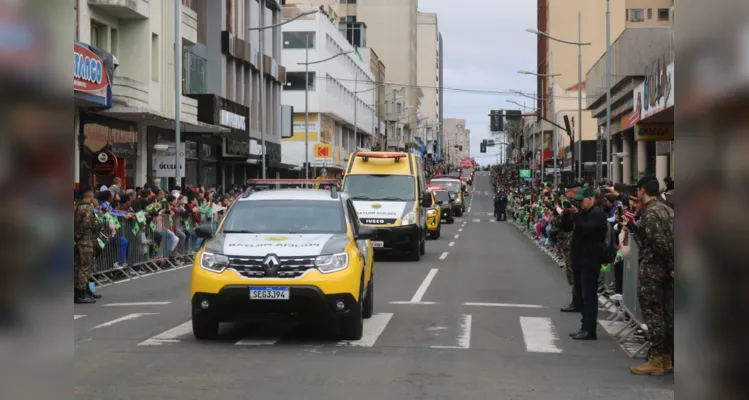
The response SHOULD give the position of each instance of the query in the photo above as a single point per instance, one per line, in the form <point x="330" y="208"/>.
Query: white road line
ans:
<point x="451" y="244"/>
<point x="509" y="305"/>
<point x="539" y="335"/>
<point x="490" y="214"/>
<point x="170" y="336"/>
<point x="75" y="317"/>
<point x="121" y="319"/>
<point x="373" y="328"/>
<point x="469" y="209"/>
<point x="145" y="303"/>
<point x="256" y="342"/>
<point x="443" y="256"/>
<point x="422" y="303"/>
<point x="476" y="220"/>
<point x="424" y="286"/>
<point x="460" y="229"/>
<point x="457" y="236"/>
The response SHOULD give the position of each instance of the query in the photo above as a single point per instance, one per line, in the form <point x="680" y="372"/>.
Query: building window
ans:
<point x="295" y="81"/>
<point x="154" y="57"/>
<point x="98" y="35"/>
<point x="193" y="79"/>
<point x="348" y="1"/>
<point x="298" y="40"/>
<point x="637" y="15"/>
<point x="663" y="14"/>
<point x="114" y="44"/>
<point x="650" y="13"/>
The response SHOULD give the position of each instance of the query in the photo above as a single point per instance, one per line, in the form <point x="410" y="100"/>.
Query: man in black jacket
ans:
<point x="588" y="226"/>
<point x="500" y="207"/>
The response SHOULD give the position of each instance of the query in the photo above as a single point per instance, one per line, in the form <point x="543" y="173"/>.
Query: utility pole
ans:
<point x="579" y="151"/>
<point x="306" y="107"/>
<point x="177" y="89"/>
<point x="608" y="89"/>
<point x="261" y="120"/>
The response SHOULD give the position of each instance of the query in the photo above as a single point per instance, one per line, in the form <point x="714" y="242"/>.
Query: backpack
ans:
<point x="608" y="253"/>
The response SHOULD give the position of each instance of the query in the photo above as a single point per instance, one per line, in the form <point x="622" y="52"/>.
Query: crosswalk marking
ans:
<point x="170" y="336"/>
<point x="539" y="335"/>
<point x="121" y="319"/>
<point x="464" y="337"/>
<point x="373" y="328"/>
<point x="143" y="303"/>
<point x="75" y="317"/>
<point x="503" y="305"/>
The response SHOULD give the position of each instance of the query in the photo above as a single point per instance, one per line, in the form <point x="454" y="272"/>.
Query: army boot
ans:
<point x="654" y="366"/>
<point x="668" y="364"/>
<point x="80" y="297"/>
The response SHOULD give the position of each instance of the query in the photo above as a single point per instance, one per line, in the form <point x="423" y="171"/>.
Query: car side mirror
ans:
<point x="204" y="231"/>
<point x="426" y="199"/>
<point x="366" y="233"/>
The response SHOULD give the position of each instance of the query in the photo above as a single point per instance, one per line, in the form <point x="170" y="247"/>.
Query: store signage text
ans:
<point x="232" y="120"/>
<point x="164" y="165"/>
<point x="90" y="74"/>
<point x="656" y="93"/>
<point x="654" y="132"/>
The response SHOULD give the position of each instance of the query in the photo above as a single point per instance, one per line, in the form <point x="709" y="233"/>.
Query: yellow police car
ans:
<point x="301" y="253"/>
<point x="434" y="218"/>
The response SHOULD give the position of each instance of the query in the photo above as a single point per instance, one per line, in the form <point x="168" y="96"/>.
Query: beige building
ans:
<point x="391" y="29"/>
<point x="428" y="65"/>
<point x="456" y="140"/>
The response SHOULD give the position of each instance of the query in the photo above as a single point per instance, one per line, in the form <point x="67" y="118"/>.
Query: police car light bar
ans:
<point x="368" y="155"/>
<point x="292" y="181"/>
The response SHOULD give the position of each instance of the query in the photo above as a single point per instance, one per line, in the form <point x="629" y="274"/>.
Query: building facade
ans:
<point x="217" y="93"/>
<point x="341" y="94"/>
<point x="429" y="67"/>
<point x="456" y="140"/>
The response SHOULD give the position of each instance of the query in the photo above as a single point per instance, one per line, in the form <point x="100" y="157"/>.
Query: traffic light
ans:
<point x="483" y="146"/>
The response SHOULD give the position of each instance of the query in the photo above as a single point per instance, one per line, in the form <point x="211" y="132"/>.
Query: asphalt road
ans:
<point x="477" y="318"/>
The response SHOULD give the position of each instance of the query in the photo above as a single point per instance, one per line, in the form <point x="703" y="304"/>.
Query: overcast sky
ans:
<point x="485" y="44"/>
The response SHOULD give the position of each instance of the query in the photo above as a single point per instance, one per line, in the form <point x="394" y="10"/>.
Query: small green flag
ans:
<point x="100" y="242"/>
<point x="149" y="207"/>
<point x="141" y="217"/>
<point x="187" y="225"/>
<point x="136" y="229"/>
<point x="152" y="226"/>
<point x="171" y="222"/>
<point x="116" y="224"/>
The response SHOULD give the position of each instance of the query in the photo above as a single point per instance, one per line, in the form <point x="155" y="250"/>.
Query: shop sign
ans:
<point x="231" y="120"/>
<point x="654" y="132"/>
<point x="328" y="128"/>
<point x="323" y="151"/>
<point x="629" y="120"/>
<point x="299" y="123"/>
<point x="104" y="163"/>
<point x="90" y="77"/>
<point x="164" y="161"/>
<point x="656" y="93"/>
<point x="256" y="149"/>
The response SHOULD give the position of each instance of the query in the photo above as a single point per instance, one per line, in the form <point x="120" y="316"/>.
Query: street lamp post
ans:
<point x="579" y="45"/>
<point x="261" y="68"/>
<point x="177" y="87"/>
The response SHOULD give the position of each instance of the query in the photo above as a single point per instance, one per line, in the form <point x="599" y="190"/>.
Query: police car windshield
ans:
<point x="450" y="186"/>
<point x="286" y="216"/>
<point x="380" y="187"/>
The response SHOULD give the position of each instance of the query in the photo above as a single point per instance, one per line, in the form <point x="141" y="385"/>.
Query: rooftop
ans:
<point x="291" y="194"/>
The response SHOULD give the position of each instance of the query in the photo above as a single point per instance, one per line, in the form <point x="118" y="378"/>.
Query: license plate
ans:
<point x="378" y="244"/>
<point x="269" y="293"/>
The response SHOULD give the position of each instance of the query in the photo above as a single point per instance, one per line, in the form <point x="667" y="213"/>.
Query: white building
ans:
<point x="340" y="98"/>
<point x="429" y="67"/>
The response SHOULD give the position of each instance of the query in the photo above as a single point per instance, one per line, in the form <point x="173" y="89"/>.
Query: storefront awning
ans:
<point x="162" y="120"/>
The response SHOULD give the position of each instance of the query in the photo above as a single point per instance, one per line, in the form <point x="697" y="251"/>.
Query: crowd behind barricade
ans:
<point x="123" y="233"/>
<point x="627" y="225"/>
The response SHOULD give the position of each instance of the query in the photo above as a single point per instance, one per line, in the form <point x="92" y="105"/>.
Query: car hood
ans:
<point x="282" y="245"/>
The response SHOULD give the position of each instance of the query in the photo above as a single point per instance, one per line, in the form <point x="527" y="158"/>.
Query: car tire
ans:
<point x="351" y="327"/>
<point x="439" y="232"/>
<point x="204" y="326"/>
<point x="423" y="245"/>
<point x="451" y="220"/>
<point x="368" y="308"/>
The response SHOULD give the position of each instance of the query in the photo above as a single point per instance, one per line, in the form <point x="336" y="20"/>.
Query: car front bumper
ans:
<point x="397" y="238"/>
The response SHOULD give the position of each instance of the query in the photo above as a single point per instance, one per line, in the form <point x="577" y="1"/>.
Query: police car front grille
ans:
<point x="378" y="221"/>
<point x="291" y="267"/>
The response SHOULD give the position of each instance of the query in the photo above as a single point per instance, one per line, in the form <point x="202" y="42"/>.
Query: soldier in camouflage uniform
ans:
<point x="655" y="292"/>
<point x="564" y="241"/>
<point x="86" y="230"/>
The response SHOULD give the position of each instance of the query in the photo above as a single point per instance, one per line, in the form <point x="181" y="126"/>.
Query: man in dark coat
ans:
<point x="589" y="227"/>
<point x="500" y="206"/>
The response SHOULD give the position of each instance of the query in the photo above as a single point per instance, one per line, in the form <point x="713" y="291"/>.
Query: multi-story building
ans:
<point x="218" y="59"/>
<point x="456" y="140"/>
<point x="392" y="30"/>
<point x="341" y="93"/>
<point x="429" y="68"/>
<point x="558" y="18"/>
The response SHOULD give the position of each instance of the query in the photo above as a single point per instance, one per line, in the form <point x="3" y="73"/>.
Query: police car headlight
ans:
<point x="332" y="263"/>
<point x="432" y="213"/>
<point x="409" y="219"/>
<point x="213" y="262"/>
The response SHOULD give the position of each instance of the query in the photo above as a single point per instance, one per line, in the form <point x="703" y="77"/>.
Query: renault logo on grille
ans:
<point x="271" y="264"/>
